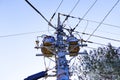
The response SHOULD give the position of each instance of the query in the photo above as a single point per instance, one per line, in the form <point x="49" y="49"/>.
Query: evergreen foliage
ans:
<point x="100" y="64"/>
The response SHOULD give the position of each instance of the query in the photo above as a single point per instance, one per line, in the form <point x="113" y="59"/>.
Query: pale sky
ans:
<point x="17" y="53"/>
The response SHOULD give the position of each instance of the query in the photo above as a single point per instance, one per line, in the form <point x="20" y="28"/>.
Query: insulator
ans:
<point x="37" y="44"/>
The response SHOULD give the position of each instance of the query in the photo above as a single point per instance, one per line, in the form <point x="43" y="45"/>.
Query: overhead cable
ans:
<point x="19" y="34"/>
<point x="91" y="48"/>
<point x="71" y="11"/>
<point x="90" y="20"/>
<point x="56" y="10"/>
<point x="86" y="13"/>
<point x="74" y="7"/>
<point x="59" y="6"/>
<point x="103" y="19"/>
<point x="40" y="14"/>
<point x="102" y="23"/>
<point x="102" y="37"/>
<point x="86" y="27"/>
<point x="93" y="42"/>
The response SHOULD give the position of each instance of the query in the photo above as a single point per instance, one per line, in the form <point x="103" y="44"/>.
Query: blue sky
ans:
<point x="17" y="53"/>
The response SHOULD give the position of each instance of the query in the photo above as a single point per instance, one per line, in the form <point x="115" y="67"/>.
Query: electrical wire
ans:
<point x="93" y="42"/>
<point x="47" y="67"/>
<point x="86" y="13"/>
<point x="116" y="26"/>
<point x="110" y="33"/>
<point x="55" y="14"/>
<point x="56" y="10"/>
<point x="73" y="62"/>
<point x="102" y="37"/>
<point x="98" y="37"/>
<point x="103" y="19"/>
<point x="102" y="23"/>
<point x="71" y="11"/>
<point x="27" y="33"/>
<point x="85" y="27"/>
<point x="40" y="14"/>
<point x="45" y="63"/>
<point x="91" y="48"/>
<point x="74" y="7"/>
<point x="106" y="32"/>
<point x="19" y="34"/>
<point x="59" y="6"/>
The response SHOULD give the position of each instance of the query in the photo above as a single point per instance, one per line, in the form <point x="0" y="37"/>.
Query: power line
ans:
<point x="102" y="23"/>
<point x="93" y="42"/>
<point x="90" y="20"/>
<point x="56" y="10"/>
<point x="110" y="33"/>
<point x="116" y="26"/>
<point x="86" y="13"/>
<point x="106" y="32"/>
<point x="40" y="14"/>
<point x="86" y="27"/>
<point x="59" y="6"/>
<point x="19" y="34"/>
<point x="74" y="7"/>
<point x="102" y="37"/>
<point x="103" y="19"/>
<point x="71" y="11"/>
<point x="55" y="13"/>
<point x="91" y="48"/>
<point x="95" y="22"/>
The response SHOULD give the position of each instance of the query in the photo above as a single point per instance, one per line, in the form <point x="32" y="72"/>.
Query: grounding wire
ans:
<point x="103" y="19"/>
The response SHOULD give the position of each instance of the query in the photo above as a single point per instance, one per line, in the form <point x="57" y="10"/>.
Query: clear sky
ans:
<point x="17" y="53"/>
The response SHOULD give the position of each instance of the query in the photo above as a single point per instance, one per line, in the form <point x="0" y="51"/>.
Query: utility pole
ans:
<point x="61" y="65"/>
<point x="57" y="47"/>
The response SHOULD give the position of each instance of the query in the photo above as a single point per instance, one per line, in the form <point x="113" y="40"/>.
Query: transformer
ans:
<point x="73" y="47"/>
<point x="48" y="46"/>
